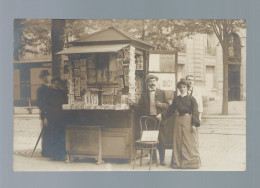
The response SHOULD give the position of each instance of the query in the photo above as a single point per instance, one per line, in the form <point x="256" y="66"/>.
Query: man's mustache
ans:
<point x="152" y="85"/>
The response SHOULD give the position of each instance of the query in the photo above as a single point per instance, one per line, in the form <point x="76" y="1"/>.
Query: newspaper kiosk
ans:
<point x="105" y="71"/>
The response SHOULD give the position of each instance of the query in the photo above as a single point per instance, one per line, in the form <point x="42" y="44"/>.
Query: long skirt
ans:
<point x="185" y="144"/>
<point x="46" y="142"/>
<point x="54" y="141"/>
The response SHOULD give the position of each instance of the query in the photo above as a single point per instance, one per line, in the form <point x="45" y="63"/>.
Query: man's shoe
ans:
<point x="153" y="161"/>
<point x="163" y="163"/>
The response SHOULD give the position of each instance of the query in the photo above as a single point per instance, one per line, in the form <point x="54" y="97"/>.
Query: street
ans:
<point x="222" y="143"/>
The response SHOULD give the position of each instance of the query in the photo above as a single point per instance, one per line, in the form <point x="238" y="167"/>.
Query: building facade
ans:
<point x="26" y="79"/>
<point x="202" y="57"/>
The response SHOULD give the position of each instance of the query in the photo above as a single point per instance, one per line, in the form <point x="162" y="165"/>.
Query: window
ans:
<point x="234" y="46"/>
<point x="162" y="62"/>
<point x="211" y="49"/>
<point x="210" y="77"/>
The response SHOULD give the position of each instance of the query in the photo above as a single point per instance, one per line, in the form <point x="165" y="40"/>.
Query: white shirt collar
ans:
<point x="183" y="95"/>
<point x="151" y="90"/>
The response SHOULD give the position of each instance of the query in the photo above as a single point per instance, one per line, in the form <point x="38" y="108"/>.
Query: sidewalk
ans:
<point x="206" y="116"/>
<point x="222" y="145"/>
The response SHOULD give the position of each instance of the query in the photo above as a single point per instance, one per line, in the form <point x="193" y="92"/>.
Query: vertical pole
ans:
<point x="131" y="75"/>
<point x="176" y="69"/>
<point x="100" y="146"/>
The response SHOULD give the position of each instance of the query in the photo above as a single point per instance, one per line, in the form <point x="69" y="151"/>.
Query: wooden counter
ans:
<point x="117" y="133"/>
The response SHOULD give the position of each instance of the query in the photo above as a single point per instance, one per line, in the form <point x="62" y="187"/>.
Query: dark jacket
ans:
<point x="53" y="104"/>
<point x="42" y="93"/>
<point x="144" y="102"/>
<point x="184" y="105"/>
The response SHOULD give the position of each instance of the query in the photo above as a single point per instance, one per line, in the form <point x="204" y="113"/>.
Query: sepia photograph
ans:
<point x="129" y="95"/>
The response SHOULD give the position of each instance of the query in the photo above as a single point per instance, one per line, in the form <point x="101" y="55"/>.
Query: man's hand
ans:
<point x="158" y="104"/>
<point x="159" y="117"/>
<point x="45" y="122"/>
<point x="131" y="103"/>
<point x="193" y="128"/>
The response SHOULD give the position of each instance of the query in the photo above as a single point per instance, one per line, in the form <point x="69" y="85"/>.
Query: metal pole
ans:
<point x="37" y="141"/>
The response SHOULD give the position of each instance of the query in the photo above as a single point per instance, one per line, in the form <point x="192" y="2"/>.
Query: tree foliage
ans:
<point x="34" y="35"/>
<point x="221" y="27"/>
<point x="31" y="36"/>
<point x="163" y="34"/>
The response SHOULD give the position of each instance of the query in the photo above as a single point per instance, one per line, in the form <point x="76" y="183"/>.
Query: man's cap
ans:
<point x="151" y="77"/>
<point x="44" y="73"/>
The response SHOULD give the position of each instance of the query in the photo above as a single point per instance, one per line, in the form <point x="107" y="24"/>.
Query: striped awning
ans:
<point x="93" y="49"/>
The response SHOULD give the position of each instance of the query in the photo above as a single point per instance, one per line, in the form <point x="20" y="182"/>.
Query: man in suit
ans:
<point x="195" y="92"/>
<point x="151" y="103"/>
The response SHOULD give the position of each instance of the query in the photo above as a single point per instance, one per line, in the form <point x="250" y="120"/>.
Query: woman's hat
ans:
<point x="56" y="78"/>
<point x="183" y="82"/>
<point x="151" y="77"/>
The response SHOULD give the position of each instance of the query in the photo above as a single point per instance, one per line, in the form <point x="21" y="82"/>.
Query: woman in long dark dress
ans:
<point x="41" y="101"/>
<point x="56" y="128"/>
<point x="185" y="134"/>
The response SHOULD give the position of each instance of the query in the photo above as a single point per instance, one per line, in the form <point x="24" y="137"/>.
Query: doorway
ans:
<point x="25" y="85"/>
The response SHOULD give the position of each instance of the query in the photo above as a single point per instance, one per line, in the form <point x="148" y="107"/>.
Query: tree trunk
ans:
<point x="57" y="37"/>
<point x="18" y="34"/>
<point x="225" y="78"/>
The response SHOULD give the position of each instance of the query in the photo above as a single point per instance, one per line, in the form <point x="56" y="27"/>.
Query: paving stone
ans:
<point x="222" y="145"/>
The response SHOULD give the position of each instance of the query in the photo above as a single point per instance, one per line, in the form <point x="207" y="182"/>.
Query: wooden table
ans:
<point x="84" y="141"/>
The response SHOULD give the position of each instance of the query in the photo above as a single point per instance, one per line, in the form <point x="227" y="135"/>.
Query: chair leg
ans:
<point x="151" y="157"/>
<point x="134" y="159"/>
<point x="141" y="159"/>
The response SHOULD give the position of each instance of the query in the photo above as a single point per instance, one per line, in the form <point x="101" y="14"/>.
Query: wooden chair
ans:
<point x="149" y="129"/>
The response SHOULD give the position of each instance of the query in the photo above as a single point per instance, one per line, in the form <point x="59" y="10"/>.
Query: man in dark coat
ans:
<point x="41" y="101"/>
<point x="152" y="102"/>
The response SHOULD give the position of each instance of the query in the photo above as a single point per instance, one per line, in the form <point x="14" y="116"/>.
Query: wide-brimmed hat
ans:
<point x="151" y="77"/>
<point x="44" y="73"/>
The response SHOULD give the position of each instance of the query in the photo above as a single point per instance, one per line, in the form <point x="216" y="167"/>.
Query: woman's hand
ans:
<point x="159" y="117"/>
<point x="158" y="104"/>
<point x="193" y="128"/>
<point x="45" y="122"/>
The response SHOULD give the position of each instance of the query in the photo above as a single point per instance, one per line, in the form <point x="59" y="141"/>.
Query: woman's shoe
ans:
<point x="163" y="163"/>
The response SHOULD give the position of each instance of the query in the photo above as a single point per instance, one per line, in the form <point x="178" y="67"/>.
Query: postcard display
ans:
<point x="101" y="85"/>
<point x="104" y="81"/>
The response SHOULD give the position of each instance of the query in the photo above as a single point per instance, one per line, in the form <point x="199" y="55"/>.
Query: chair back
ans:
<point x="149" y="123"/>
<point x="149" y="127"/>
